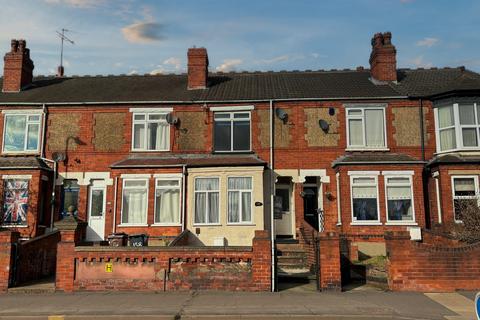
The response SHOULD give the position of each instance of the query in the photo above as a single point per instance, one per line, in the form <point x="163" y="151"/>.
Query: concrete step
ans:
<point x="289" y="246"/>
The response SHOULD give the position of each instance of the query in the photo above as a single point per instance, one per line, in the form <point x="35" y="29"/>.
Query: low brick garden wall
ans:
<point x="100" y="268"/>
<point x="434" y="265"/>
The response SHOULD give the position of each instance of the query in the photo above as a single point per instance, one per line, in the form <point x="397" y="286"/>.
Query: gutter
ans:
<point x="199" y="101"/>
<point x="378" y="162"/>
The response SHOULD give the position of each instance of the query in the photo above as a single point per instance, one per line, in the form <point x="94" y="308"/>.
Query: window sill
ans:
<point x="149" y="151"/>
<point x="367" y="149"/>
<point x="235" y="152"/>
<point x="13" y="226"/>
<point x="366" y="223"/>
<point x="166" y="225"/>
<point x="18" y="153"/>
<point x="127" y="225"/>
<point x="207" y="225"/>
<point x="465" y="150"/>
<point x="406" y="223"/>
<point x="246" y="224"/>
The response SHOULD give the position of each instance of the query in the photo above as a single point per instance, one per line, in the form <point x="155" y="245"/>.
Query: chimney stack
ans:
<point x="197" y="68"/>
<point x="383" y="59"/>
<point x="18" y="67"/>
<point x="60" y="71"/>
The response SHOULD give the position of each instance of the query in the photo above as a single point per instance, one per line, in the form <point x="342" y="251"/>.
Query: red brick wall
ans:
<point x="329" y="258"/>
<point x="8" y="239"/>
<point x="431" y="266"/>
<point x="37" y="258"/>
<point x="183" y="268"/>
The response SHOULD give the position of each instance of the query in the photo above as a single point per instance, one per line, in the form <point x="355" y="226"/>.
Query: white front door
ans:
<point x="284" y="225"/>
<point x="96" y="211"/>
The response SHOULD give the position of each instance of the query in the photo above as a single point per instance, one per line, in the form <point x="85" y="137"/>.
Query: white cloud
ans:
<point x="229" y="65"/>
<point x="419" y="62"/>
<point x="143" y="32"/>
<point x="282" y="58"/>
<point x="170" y="65"/>
<point x="84" y="4"/>
<point x="132" y="72"/>
<point x="427" y="42"/>
<point x="175" y="62"/>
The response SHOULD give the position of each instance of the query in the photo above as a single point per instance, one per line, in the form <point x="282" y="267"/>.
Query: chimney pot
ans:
<point x="383" y="58"/>
<point x="197" y="68"/>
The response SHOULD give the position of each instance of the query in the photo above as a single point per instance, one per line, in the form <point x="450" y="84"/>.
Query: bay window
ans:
<point x="465" y="193"/>
<point x="135" y="201"/>
<point x="399" y="199"/>
<point x="458" y="126"/>
<point x="207" y="200"/>
<point x="151" y="132"/>
<point x="239" y="200"/>
<point x="366" y="127"/>
<point x="364" y="194"/>
<point x="167" y="201"/>
<point x="21" y="133"/>
<point x="231" y="131"/>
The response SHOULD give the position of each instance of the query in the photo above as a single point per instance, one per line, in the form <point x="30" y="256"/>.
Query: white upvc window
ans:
<point x="150" y="132"/>
<point x="167" y="201"/>
<point x="21" y="133"/>
<point x="458" y="126"/>
<point x="232" y="131"/>
<point x="464" y="190"/>
<point x="366" y="127"/>
<point x="134" y="201"/>
<point x="239" y="200"/>
<point x="364" y="196"/>
<point x="207" y="194"/>
<point x="399" y="199"/>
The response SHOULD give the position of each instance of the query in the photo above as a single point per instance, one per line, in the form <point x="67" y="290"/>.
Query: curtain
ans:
<point x="399" y="202"/>
<point x="364" y="201"/>
<point x="246" y="207"/>
<point x="463" y="185"/>
<point x="445" y="116"/>
<point x="210" y="186"/>
<point x="205" y="184"/>
<point x="355" y="132"/>
<point x="139" y="136"/>
<point x="32" y="136"/>
<point x="213" y="216"/>
<point x="200" y="207"/>
<point x="157" y="136"/>
<point x="134" y="206"/>
<point x="167" y="206"/>
<point x="467" y="113"/>
<point x="233" y="206"/>
<point x="469" y="136"/>
<point x="447" y="139"/>
<point x="374" y="128"/>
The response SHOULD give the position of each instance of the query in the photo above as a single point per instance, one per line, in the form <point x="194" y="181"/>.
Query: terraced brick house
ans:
<point x="355" y="152"/>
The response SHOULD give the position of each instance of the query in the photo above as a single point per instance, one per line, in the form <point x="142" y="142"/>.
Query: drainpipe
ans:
<point x="184" y="222"/>
<point x="272" y="193"/>
<point x="44" y="125"/>
<point x="115" y="205"/>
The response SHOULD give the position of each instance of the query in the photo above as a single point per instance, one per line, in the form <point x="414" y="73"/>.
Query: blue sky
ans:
<point x="128" y="36"/>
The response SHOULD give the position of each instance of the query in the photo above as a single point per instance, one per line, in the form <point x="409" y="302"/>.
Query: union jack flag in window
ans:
<point x="16" y="202"/>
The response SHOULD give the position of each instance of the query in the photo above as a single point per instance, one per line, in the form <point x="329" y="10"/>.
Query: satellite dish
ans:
<point x="323" y="125"/>
<point x="171" y="119"/>
<point x="281" y="114"/>
<point x="58" y="156"/>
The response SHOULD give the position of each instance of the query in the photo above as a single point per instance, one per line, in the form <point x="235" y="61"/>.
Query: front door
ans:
<point x="96" y="212"/>
<point x="284" y="222"/>
<point x="310" y="205"/>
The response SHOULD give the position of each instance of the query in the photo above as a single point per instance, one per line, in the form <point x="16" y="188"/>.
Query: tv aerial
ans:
<point x="63" y="38"/>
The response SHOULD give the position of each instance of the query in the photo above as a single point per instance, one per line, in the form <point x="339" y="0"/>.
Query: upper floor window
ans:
<point x="151" y="132"/>
<point x="465" y="193"/>
<point x="21" y="133"/>
<point x="458" y="126"/>
<point x="232" y="131"/>
<point x="366" y="127"/>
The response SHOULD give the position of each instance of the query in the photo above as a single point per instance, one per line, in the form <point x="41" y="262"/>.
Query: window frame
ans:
<point x="232" y="119"/>
<point x="179" y="188"/>
<point x="241" y="191"/>
<point x="219" y="223"/>
<point x="145" y="122"/>
<point x="365" y="174"/>
<point x="454" y="197"/>
<point x="25" y="139"/>
<point x="458" y="128"/>
<point x="410" y="184"/>
<point x="129" y="224"/>
<point x="364" y="107"/>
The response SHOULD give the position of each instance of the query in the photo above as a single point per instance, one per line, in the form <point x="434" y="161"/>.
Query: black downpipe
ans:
<point x="316" y="242"/>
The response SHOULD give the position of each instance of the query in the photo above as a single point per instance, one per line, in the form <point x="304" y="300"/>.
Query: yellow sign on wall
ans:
<point x="108" y="267"/>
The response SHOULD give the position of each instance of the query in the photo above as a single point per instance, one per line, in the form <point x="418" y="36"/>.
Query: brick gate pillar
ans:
<point x="8" y="239"/>
<point x="329" y="260"/>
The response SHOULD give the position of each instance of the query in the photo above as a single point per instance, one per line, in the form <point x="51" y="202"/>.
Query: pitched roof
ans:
<point x="189" y="160"/>
<point x="374" y="158"/>
<point x="454" y="158"/>
<point x="22" y="163"/>
<point x="243" y="86"/>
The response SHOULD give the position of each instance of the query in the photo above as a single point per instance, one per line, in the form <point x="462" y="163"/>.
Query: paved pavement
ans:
<point x="361" y="304"/>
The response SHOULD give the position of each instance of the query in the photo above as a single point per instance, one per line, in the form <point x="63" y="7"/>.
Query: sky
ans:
<point x="148" y="36"/>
